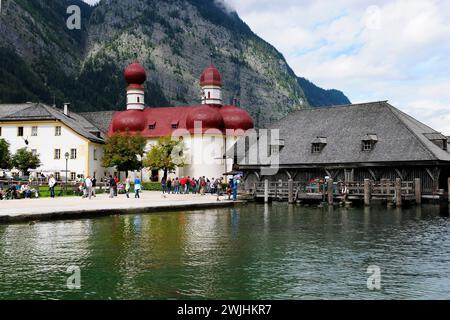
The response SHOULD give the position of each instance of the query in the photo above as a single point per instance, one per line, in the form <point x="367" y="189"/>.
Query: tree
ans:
<point x="5" y="155"/>
<point x="166" y="155"/>
<point x="25" y="160"/>
<point x="122" y="151"/>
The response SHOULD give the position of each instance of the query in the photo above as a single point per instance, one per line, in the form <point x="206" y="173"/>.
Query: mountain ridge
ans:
<point x="173" y="39"/>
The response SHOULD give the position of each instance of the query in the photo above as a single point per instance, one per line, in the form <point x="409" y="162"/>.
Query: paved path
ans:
<point x="76" y="207"/>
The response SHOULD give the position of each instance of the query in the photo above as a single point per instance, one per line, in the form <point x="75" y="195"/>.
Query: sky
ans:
<point x="396" y="50"/>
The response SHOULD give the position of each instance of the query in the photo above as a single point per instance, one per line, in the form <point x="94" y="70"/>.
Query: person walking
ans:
<point x="88" y="185"/>
<point x="137" y="187"/>
<point x="169" y="185"/>
<point x="128" y="186"/>
<point x="51" y="185"/>
<point x="112" y="186"/>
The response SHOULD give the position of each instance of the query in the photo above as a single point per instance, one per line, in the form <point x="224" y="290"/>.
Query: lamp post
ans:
<point x="66" y="155"/>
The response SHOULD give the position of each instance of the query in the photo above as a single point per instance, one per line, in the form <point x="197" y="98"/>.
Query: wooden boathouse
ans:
<point x="354" y="152"/>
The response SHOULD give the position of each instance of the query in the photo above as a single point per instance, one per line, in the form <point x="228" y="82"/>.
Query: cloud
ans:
<point x="395" y="50"/>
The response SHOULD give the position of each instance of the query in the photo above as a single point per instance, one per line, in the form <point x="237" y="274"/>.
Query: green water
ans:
<point x="249" y="252"/>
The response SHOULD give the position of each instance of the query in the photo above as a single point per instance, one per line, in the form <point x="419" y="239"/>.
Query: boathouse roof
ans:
<point x="359" y="133"/>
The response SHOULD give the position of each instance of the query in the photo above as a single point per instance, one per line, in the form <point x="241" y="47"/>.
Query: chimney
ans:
<point x="66" y="108"/>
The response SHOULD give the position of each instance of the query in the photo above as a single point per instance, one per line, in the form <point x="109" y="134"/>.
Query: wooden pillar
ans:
<point x="255" y="191"/>
<point x="330" y="191"/>
<point x="418" y="190"/>
<point x="448" y="189"/>
<point x="366" y="192"/>
<point x="290" y="191"/>
<point x="266" y="191"/>
<point x="398" y="192"/>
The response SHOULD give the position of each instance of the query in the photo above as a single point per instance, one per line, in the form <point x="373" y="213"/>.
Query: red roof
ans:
<point x="158" y="122"/>
<point x="211" y="76"/>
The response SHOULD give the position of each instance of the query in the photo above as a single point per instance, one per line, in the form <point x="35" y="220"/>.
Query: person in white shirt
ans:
<point x="88" y="185"/>
<point x="51" y="185"/>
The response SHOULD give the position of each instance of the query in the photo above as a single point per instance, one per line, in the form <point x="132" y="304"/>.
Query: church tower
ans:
<point x="211" y="83"/>
<point x="135" y="76"/>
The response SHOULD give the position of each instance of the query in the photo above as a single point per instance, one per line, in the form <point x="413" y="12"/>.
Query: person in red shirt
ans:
<point x="115" y="188"/>
<point x="182" y="184"/>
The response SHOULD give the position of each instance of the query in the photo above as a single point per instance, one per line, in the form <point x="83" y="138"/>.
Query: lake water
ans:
<point x="249" y="252"/>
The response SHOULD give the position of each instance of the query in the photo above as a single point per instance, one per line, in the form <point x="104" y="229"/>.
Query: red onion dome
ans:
<point x="131" y="120"/>
<point x="135" y="74"/>
<point x="209" y="116"/>
<point x="236" y="118"/>
<point x="211" y="76"/>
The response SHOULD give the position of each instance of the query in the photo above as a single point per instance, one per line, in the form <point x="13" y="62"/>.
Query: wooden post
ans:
<point x="290" y="191"/>
<point x="418" y="190"/>
<point x="366" y="192"/>
<point x="448" y="189"/>
<point x="398" y="192"/>
<point x="330" y="192"/>
<point x="266" y="191"/>
<point x="255" y="191"/>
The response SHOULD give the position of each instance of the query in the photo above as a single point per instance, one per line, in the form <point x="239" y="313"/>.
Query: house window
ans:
<point x="20" y="131"/>
<point x="444" y="147"/>
<point x="152" y="126"/>
<point x="316" y="148"/>
<point x="73" y="176"/>
<point x="209" y="95"/>
<point x="138" y="100"/>
<point x="34" y="152"/>
<point x="367" y="145"/>
<point x="0" y="131"/>
<point x="95" y="154"/>
<point x="73" y="153"/>
<point x="58" y="176"/>
<point x="175" y="124"/>
<point x="57" y="131"/>
<point x="57" y="154"/>
<point x="34" y="131"/>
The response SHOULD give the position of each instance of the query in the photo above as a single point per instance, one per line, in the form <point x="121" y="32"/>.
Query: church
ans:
<point x="207" y="130"/>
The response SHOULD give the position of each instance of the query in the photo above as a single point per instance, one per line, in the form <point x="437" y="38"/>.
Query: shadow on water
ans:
<point x="253" y="251"/>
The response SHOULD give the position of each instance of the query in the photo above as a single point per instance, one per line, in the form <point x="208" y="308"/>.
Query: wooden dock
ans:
<point x="395" y="192"/>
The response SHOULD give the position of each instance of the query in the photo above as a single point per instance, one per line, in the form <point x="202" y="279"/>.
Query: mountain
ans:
<point x="318" y="97"/>
<point x="41" y="59"/>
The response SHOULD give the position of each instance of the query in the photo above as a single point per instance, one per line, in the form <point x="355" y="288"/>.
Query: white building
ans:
<point x="52" y="133"/>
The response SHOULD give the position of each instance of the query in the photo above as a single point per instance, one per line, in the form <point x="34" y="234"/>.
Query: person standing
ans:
<point x="182" y="184"/>
<point x="128" y="186"/>
<point x="137" y="187"/>
<point x="51" y="185"/>
<point x="115" y="186"/>
<point x="163" y="185"/>
<point x="94" y="185"/>
<point x="169" y="185"/>
<point x="88" y="185"/>
<point x="176" y="185"/>
<point x="234" y="187"/>
<point x="112" y="186"/>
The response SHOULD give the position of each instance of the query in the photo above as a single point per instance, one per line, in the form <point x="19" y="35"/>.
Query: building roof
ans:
<point x="397" y="137"/>
<point x="39" y="112"/>
<point x="162" y="120"/>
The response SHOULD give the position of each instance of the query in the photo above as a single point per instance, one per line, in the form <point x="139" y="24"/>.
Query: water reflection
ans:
<point x="249" y="252"/>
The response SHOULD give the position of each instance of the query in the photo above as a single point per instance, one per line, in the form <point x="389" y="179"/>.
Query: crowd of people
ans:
<point x="201" y="185"/>
<point x="87" y="187"/>
<point x="17" y="191"/>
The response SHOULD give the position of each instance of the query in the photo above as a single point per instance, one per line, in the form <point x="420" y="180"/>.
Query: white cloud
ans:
<point x="395" y="50"/>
